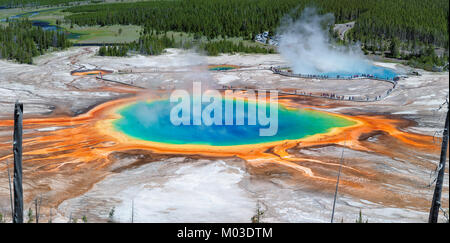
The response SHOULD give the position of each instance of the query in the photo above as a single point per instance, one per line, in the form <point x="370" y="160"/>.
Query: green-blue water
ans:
<point x="369" y="70"/>
<point x="151" y="121"/>
<point x="221" y="68"/>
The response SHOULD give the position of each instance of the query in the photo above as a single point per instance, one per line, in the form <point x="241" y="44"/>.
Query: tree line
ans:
<point x="407" y="20"/>
<point x="35" y="3"/>
<point x="40" y="3"/>
<point x="213" y="48"/>
<point x="154" y="44"/>
<point x="118" y="51"/>
<point x="21" y="41"/>
<point x="428" y="60"/>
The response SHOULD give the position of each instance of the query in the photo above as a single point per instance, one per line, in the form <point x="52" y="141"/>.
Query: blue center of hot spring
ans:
<point x="150" y="121"/>
<point x="369" y="71"/>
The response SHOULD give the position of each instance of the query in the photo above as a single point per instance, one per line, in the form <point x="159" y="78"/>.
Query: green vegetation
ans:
<point x="111" y="215"/>
<point x="205" y="17"/>
<point x="213" y="48"/>
<point x="105" y="34"/>
<point x="427" y="60"/>
<point x="21" y="41"/>
<point x="53" y="16"/>
<point x="394" y="48"/>
<point x="405" y="19"/>
<point x="152" y="44"/>
<point x="37" y="3"/>
<point x="402" y="29"/>
<point x="5" y="13"/>
<point x="30" y="216"/>
<point x="34" y="3"/>
<point x="147" y="45"/>
<point x="258" y="214"/>
<point x="360" y="220"/>
<point x="118" y="51"/>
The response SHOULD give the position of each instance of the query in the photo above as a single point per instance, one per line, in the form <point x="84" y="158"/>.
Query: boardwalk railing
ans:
<point x="331" y="96"/>
<point x="368" y="76"/>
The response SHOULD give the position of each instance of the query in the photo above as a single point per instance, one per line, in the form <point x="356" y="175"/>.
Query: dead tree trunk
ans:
<point x="17" y="149"/>
<point x="337" y="184"/>
<point x="436" y="203"/>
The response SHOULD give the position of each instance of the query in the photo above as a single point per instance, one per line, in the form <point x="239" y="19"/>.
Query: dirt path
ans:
<point x="341" y="29"/>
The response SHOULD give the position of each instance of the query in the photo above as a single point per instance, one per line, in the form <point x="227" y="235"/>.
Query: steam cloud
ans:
<point x="306" y="44"/>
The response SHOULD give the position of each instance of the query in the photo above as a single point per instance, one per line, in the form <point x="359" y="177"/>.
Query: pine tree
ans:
<point x="394" y="48"/>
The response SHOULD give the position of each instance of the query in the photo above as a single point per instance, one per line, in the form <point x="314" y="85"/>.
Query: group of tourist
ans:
<point x="326" y="95"/>
<point x="330" y="95"/>
<point x="323" y="95"/>
<point x="342" y="97"/>
<point x="289" y="73"/>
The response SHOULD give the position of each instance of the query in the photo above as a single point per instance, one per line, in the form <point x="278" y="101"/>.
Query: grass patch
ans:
<point x="5" y="13"/>
<point x="50" y="16"/>
<point x="105" y="34"/>
<point x="9" y="12"/>
<point x="87" y="34"/>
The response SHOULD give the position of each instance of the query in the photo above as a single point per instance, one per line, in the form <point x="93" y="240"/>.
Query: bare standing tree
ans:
<point x="436" y="203"/>
<point x="50" y="218"/>
<point x="37" y="205"/>
<point x="17" y="150"/>
<point x="337" y="184"/>
<point x="132" y="211"/>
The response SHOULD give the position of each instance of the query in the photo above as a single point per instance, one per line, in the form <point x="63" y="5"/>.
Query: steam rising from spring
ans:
<point x="306" y="44"/>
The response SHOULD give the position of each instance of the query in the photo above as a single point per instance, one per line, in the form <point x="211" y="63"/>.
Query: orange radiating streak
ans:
<point x="88" y="139"/>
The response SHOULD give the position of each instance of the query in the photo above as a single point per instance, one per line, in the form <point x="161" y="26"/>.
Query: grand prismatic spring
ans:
<point x="151" y="121"/>
<point x="86" y="142"/>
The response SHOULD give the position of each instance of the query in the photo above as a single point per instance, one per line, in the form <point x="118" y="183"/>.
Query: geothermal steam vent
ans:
<point x="306" y="44"/>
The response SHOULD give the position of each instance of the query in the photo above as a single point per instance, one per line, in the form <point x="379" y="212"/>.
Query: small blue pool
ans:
<point x="368" y="71"/>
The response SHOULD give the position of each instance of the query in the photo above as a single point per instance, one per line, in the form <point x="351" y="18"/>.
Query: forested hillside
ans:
<point x="21" y="41"/>
<point x="407" y="20"/>
<point x="406" y="29"/>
